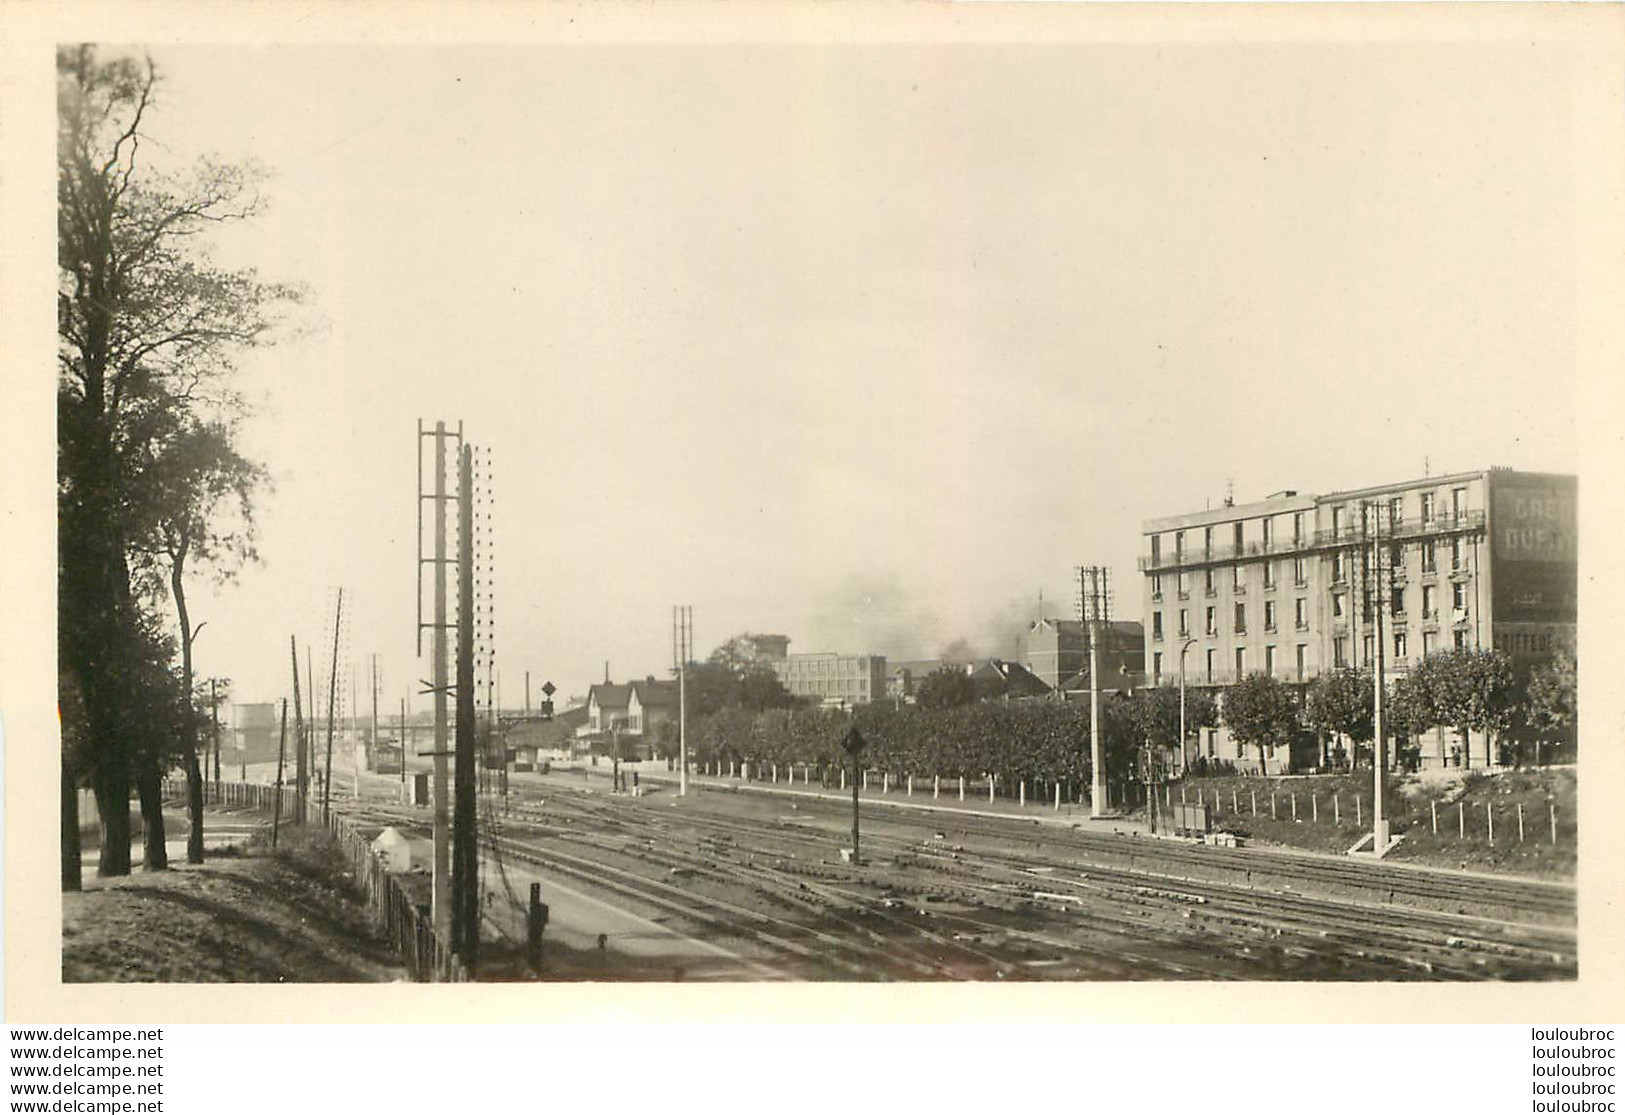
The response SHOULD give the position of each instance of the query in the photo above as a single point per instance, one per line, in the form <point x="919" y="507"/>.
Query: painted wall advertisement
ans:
<point x="1534" y="543"/>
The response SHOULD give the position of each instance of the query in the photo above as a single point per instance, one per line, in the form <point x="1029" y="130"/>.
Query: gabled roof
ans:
<point x="1008" y="679"/>
<point x="609" y="695"/>
<point x="655" y="694"/>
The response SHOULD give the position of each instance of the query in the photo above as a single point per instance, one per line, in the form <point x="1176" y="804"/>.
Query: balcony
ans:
<point x="1358" y="533"/>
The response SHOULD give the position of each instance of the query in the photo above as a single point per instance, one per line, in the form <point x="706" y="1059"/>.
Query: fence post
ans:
<point x="962" y="787"/>
<point x="1294" y="807"/>
<point x="1357" y="813"/>
<point x="1461" y="819"/>
<point x="1337" y="809"/>
<point x="1314" y="808"/>
<point x="1057" y="797"/>
<point x="1234" y="808"/>
<point x="1554" y="825"/>
<point x="1272" y="805"/>
<point x="936" y="786"/>
<point x="992" y="780"/>
<point x="1489" y="815"/>
<point x="1023" y="802"/>
<point x="910" y="785"/>
<point x="1252" y="796"/>
<point x="1520" y="822"/>
<point x="1433" y="808"/>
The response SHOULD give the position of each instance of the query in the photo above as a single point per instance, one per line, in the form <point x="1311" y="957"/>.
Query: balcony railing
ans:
<point x="1347" y="535"/>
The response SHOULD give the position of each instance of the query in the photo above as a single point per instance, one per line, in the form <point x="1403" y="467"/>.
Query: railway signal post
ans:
<point x="853" y="744"/>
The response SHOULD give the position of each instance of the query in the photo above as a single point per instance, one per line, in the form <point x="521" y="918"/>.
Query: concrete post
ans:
<point x="1024" y="793"/>
<point x="1057" y="797"/>
<point x="1433" y="808"/>
<point x="1294" y="808"/>
<point x="1520" y="822"/>
<point x="962" y="787"/>
<point x="990" y="780"/>
<point x="1252" y="796"/>
<point x="911" y="785"/>
<point x="1489" y="817"/>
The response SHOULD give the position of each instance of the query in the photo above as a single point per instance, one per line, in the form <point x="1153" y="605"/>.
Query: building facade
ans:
<point x="1057" y="650"/>
<point x="834" y="679"/>
<point x="1291" y="585"/>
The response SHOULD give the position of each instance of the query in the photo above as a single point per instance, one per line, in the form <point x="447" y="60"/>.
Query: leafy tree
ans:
<point x="147" y="328"/>
<point x="1341" y="702"/>
<point x="1261" y="712"/>
<point x="1473" y="690"/>
<point x="1409" y="701"/>
<point x="760" y="688"/>
<point x="944" y="688"/>
<point x="197" y="512"/>
<point x="1552" y="704"/>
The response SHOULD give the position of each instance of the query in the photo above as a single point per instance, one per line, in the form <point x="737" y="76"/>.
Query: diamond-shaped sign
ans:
<point x="853" y="742"/>
<point x="549" y="688"/>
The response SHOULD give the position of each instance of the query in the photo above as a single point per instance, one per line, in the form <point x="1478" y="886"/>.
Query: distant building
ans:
<point x="768" y="648"/>
<point x="1290" y="585"/>
<point x="997" y="679"/>
<point x="1057" y="650"/>
<point x="834" y="679"/>
<point x="631" y="713"/>
<point x="254" y="732"/>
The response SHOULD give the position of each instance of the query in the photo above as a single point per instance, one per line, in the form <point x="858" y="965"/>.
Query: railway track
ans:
<point x="999" y="901"/>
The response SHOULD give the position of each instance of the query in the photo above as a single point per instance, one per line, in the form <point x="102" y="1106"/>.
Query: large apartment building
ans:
<point x="834" y="679"/>
<point x="1289" y="585"/>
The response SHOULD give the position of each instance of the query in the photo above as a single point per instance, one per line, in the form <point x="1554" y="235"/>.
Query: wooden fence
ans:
<point x="412" y="933"/>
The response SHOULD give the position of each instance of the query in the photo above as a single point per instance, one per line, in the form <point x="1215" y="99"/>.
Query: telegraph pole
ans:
<point x="214" y="721"/>
<point x="1379" y="746"/>
<point x="373" y="748"/>
<point x="301" y="778"/>
<point x="1092" y="609"/>
<point x="439" y="681"/>
<point x="682" y="635"/>
<point x="276" y="801"/>
<point x="332" y="696"/>
<point x="465" y="930"/>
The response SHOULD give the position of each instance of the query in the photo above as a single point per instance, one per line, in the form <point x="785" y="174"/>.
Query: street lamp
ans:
<point x="1185" y="646"/>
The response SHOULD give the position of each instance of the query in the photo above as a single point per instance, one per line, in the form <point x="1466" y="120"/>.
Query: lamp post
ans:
<point x="1185" y="646"/>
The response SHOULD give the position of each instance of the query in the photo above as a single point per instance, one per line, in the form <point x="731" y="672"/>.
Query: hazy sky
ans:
<point x="864" y="345"/>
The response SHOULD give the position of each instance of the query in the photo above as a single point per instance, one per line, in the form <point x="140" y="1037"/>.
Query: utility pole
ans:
<point x="1093" y="605"/>
<point x="373" y="742"/>
<point x="403" y="741"/>
<point x="682" y="635"/>
<point x="465" y="931"/>
<point x="214" y="721"/>
<point x="276" y="799"/>
<point x="301" y="778"/>
<point x="439" y="681"/>
<point x="332" y="697"/>
<point x="310" y="688"/>
<point x="1379" y="746"/>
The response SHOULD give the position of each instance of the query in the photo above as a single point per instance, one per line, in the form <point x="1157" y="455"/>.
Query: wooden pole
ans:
<point x="281" y="747"/>
<point x="301" y="776"/>
<point x="332" y="699"/>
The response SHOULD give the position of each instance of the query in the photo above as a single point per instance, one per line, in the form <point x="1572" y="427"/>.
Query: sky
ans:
<point x="866" y="345"/>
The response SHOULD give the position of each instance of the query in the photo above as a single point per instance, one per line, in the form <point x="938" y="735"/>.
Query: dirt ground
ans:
<point x="245" y="918"/>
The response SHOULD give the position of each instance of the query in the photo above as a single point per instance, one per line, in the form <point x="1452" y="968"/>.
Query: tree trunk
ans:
<point x="113" y="805"/>
<point x="194" y="776"/>
<point x="1466" y="748"/>
<point x="148" y="782"/>
<point x="72" y="878"/>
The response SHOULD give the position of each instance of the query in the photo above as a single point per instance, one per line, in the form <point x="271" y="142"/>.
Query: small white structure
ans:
<point x="393" y="850"/>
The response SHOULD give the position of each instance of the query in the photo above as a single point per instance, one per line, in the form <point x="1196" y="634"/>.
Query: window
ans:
<point x="1267" y="527"/>
<point x="1297" y="526"/>
<point x="1299" y="576"/>
<point x="1458" y="502"/>
<point x="1455" y="554"/>
<point x="1269" y="574"/>
<point x="1430" y="641"/>
<point x="1240" y="537"/>
<point x="1427" y="507"/>
<point x="1184" y="623"/>
<point x="1156" y="666"/>
<point x="1429" y="558"/>
<point x="1156" y="586"/>
<point x="1179" y="545"/>
<point x="1208" y="582"/>
<point x="1238" y="582"/>
<point x="1400" y="646"/>
<point x="1212" y="657"/>
<point x="1339" y="605"/>
<point x="1241" y="618"/>
<point x="1269" y="660"/>
<point x="1212" y="621"/>
<point x="1303" y="660"/>
<point x="1337" y="520"/>
<point x="1300" y="613"/>
<point x="1458" y="596"/>
<point x="1241" y="662"/>
<point x="1184" y="585"/>
<point x="1428" y="602"/>
<point x="1340" y="651"/>
<point x="1156" y="549"/>
<point x="1396" y="600"/>
<point x="1366" y="647"/>
<point x="1461" y="638"/>
<point x="1365" y="518"/>
<point x="1396" y="558"/>
<point x="1269" y="615"/>
<point x="1156" y="625"/>
<point x="1207" y="541"/>
<point x="1340" y="568"/>
<point x="1396" y="511"/>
